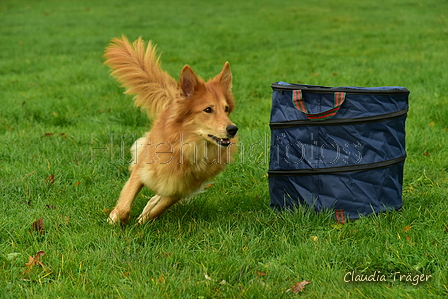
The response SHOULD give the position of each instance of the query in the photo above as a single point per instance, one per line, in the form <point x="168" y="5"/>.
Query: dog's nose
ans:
<point x="231" y="130"/>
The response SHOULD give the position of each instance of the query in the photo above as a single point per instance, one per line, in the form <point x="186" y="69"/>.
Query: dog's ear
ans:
<point x="225" y="77"/>
<point x="188" y="81"/>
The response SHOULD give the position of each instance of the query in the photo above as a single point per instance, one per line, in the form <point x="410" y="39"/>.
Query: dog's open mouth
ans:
<point x="224" y="142"/>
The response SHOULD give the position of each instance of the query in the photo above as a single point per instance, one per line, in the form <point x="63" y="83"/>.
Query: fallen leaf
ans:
<point x="261" y="274"/>
<point x="407" y="228"/>
<point x="35" y="261"/>
<point x="48" y="134"/>
<point x="51" y="207"/>
<point x="77" y="183"/>
<point x="409" y="240"/>
<point x="298" y="287"/>
<point x="30" y="263"/>
<point x="427" y="154"/>
<point x="38" y="226"/>
<point x="207" y="277"/>
<point x="314" y="238"/>
<point x="50" y="179"/>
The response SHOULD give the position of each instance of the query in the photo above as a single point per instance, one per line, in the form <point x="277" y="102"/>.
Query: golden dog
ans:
<point x="189" y="142"/>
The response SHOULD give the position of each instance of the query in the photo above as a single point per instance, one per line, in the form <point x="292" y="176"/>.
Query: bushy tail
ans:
<point x="138" y="69"/>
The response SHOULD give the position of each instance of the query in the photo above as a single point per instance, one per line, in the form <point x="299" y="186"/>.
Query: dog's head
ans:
<point x="205" y="106"/>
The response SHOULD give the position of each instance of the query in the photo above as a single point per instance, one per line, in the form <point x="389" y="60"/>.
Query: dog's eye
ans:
<point x="227" y="109"/>
<point x="208" y="110"/>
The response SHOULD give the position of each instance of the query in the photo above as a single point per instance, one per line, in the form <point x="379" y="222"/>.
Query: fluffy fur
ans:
<point x="190" y="141"/>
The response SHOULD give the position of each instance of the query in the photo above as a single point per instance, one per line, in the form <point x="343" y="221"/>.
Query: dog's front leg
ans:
<point x="122" y="210"/>
<point x="155" y="207"/>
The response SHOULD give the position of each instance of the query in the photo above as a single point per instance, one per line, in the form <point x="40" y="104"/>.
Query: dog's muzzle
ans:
<point x="225" y="142"/>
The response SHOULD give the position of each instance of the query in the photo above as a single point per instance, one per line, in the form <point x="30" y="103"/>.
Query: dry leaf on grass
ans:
<point x="207" y="277"/>
<point x="50" y="179"/>
<point x="409" y="240"/>
<point x="38" y="226"/>
<point x="298" y="287"/>
<point x="260" y="274"/>
<point x="407" y="228"/>
<point x="35" y="261"/>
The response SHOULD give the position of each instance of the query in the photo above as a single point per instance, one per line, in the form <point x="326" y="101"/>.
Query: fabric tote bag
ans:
<point x="337" y="148"/>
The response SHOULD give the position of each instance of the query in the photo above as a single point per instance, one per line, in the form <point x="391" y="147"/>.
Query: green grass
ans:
<point x="62" y="115"/>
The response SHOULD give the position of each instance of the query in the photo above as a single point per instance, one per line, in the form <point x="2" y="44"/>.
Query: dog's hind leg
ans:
<point x="155" y="207"/>
<point x="130" y="190"/>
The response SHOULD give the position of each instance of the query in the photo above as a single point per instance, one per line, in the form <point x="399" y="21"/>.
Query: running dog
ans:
<point x="192" y="137"/>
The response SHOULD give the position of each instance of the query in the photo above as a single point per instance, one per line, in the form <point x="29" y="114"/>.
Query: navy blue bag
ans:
<point x="337" y="148"/>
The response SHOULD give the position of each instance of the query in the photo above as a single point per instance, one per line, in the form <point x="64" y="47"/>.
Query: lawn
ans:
<point x="66" y="129"/>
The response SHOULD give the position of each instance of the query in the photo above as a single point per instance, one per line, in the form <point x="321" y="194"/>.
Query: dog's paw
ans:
<point x="142" y="219"/>
<point x="114" y="218"/>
